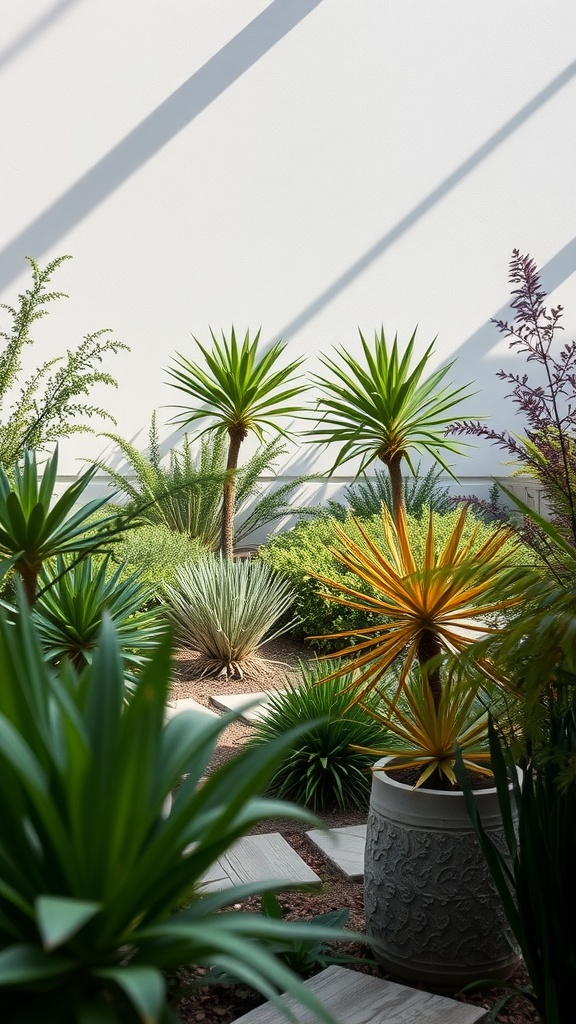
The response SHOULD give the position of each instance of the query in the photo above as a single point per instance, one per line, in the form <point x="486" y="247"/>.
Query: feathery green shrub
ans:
<point x="48" y="405"/>
<point x="186" y="495"/>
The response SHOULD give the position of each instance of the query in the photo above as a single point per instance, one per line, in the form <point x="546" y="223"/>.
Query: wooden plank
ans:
<point x="258" y="859"/>
<point x="355" y="998"/>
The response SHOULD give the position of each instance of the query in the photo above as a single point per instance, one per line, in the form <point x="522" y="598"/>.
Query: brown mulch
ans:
<point x="222" y="1004"/>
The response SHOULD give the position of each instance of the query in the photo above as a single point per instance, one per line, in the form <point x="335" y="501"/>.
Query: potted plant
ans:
<point x="432" y="913"/>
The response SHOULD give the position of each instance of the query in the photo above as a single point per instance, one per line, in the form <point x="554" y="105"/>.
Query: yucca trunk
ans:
<point x="429" y="647"/>
<point x="394" y="466"/>
<point x="236" y="435"/>
<point x="29" y="576"/>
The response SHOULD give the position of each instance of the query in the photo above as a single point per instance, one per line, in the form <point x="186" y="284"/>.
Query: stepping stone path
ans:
<point x="237" y="701"/>
<point x="174" y="707"/>
<point x="344" y="847"/>
<point x="257" y="859"/>
<point x="355" y="998"/>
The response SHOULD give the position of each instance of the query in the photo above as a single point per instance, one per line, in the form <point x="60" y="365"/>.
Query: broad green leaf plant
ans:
<point x="240" y="390"/>
<point x="383" y="407"/>
<point x="35" y="527"/>
<point x="109" y="823"/>
<point x="439" y="604"/>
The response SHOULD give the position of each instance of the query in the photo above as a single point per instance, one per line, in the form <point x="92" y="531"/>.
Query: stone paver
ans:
<point x="344" y="847"/>
<point x="355" y="998"/>
<point x="237" y="701"/>
<point x="258" y="859"/>
<point x="174" y="707"/>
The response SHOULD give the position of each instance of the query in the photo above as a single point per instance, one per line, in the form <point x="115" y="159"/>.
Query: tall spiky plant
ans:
<point x="241" y="390"/>
<point x="383" y="407"/>
<point x="425" y="608"/>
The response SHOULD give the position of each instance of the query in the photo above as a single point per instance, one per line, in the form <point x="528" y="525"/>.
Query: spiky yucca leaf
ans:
<point x="424" y="736"/>
<point x="439" y="604"/>
<point x="227" y="608"/>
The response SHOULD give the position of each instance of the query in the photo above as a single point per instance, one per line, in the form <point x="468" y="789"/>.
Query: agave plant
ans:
<point x="106" y="831"/>
<point x="240" y="391"/>
<point x="386" y="409"/>
<point x="440" y="605"/>
<point x="34" y="528"/>
<point x="73" y="599"/>
<point x="227" y="608"/>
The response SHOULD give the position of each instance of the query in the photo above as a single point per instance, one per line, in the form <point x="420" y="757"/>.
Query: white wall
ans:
<point x="310" y="166"/>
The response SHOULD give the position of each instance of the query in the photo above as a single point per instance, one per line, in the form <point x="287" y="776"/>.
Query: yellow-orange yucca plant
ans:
<point x="435" y="606"/>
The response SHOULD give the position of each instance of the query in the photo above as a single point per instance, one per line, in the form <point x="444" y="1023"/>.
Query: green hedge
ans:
<point x="155" y="552"/>
<point x="304" y="549"/>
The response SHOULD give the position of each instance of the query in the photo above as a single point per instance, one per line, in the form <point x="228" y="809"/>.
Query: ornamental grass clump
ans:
<point x="321" y="770"/>
<point x="226" y="609"/>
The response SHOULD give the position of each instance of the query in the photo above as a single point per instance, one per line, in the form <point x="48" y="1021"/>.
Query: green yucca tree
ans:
<point x="385" y="408"/>
<point x="241" y="390"/>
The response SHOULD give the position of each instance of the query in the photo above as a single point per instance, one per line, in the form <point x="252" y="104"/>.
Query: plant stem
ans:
<point x="236" y="435"/>
<point x="394" y="465"/>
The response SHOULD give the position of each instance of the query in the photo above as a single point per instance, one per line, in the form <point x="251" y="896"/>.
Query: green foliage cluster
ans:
<point x="186" y="495"/>
<point x="50" y="404"/>
<point x="72" y="602"/>
<point x="305" y="549"/>
<point x="366" y="496"/>
<point x="534" y="871"/>
<point x="154" y="552"/>
<point x="105" y="829"/>
<point x="321" y="770"/>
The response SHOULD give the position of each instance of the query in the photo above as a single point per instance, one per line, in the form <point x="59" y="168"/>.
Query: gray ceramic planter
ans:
<point x="432" y="913"/>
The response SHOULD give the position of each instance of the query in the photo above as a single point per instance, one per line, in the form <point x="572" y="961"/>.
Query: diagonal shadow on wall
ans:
<point x="426" y="204"/>
<point x="10" y="52"/>
<point x="154" y="132"/>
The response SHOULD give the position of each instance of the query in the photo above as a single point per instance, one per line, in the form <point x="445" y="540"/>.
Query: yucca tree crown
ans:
<point x="240" y="390"/>
<point x="385" y="408"/>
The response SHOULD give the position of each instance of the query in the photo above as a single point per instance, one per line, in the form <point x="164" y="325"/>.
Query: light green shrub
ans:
<point x="304" y="550"/>
<point x="155" y="552"/>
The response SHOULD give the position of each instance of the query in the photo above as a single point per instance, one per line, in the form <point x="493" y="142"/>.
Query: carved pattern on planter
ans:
<point x="429" y="895"/>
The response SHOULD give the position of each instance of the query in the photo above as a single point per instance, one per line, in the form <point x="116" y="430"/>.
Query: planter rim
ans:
<point x="431" y="808"/>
